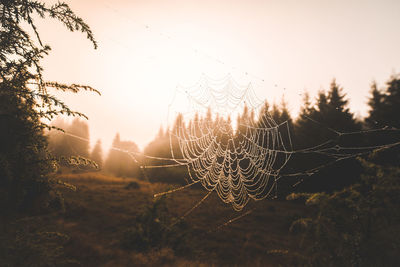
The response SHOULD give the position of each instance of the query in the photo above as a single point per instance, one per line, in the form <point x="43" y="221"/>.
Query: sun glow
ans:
<point x="148" y="48"/>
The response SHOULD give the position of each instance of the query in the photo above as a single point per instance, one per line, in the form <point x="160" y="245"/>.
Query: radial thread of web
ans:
<point x="238" y="164"/>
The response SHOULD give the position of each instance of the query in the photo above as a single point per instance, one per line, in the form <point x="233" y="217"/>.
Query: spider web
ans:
<point x="240" y="164"/>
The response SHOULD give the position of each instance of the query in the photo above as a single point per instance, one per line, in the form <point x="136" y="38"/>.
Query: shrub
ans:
<point x="358" y="226"/>
<point x="154" y="228"/>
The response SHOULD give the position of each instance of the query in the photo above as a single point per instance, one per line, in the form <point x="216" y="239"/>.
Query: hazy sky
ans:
<point x="148" y="47"/>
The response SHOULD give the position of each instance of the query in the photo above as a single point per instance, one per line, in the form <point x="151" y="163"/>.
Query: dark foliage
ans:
<point x="32" y="242"/>
<point x="25" y="163"/>
<point x="385" y="114"/>
<point x="357" y="226"/>
<point x="385" y="105"/>
<point x="155" y="228"/>
<point x="321" y="124"/>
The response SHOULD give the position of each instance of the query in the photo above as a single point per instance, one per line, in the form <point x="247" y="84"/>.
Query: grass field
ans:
<point x="102" y="209"/>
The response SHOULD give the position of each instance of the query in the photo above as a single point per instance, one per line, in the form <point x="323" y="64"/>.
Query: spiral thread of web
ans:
<point x="240" y="164"/>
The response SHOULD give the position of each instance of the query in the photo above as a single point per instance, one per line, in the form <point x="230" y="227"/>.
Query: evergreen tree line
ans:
<point x="319" y="122"/>
<point x="74" y="141"/>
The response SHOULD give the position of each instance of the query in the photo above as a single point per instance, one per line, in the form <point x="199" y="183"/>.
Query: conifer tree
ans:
<point x="276" y="113"/>
<point x="97" y="154"/>
<point x="284" y="113"/>
<point x="79" y="146"/>
<point x="385" y="106"/>
<point x="301" y="138"/>
<point x="119" y="162"/>
<point x="392" y="102"/>
<point x="374" y="120"/>
<point x="385" y="114"/>
<point x="320" y="124"/>
<point x="25" y="101"/>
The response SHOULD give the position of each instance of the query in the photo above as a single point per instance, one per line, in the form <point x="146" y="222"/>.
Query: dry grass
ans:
<point x="96" y="177"/>
<point x="103" y="207"/>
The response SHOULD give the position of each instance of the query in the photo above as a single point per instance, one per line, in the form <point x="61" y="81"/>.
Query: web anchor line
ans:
<point x="192" y="208"/>
<point x="174" y="190"/>
<point x="232" y="220"/>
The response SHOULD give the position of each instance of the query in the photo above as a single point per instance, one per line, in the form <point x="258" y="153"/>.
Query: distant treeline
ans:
<point x="75" y="142"/>
<point x="319" y="121"/>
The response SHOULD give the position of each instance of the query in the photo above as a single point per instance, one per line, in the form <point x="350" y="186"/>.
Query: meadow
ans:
<point x="98" y="215"/>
